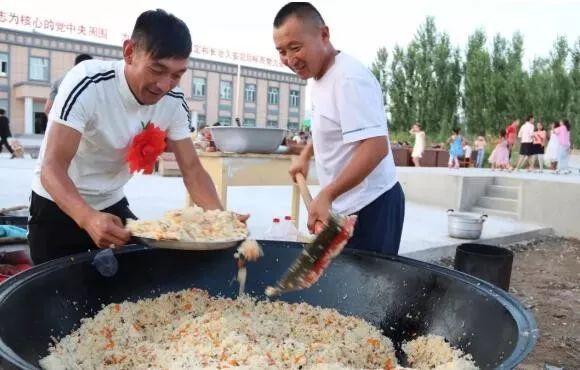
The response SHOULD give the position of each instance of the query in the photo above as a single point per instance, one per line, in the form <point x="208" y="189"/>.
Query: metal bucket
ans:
<point x="464" y="225"/>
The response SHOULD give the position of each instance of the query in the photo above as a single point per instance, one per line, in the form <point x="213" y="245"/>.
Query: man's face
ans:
<point x="150" y="79"/>
<point x="532" y="120"/>
<point x="302" y="46"/>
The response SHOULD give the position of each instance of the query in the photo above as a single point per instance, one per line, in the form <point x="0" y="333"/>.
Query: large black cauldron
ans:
<point x="403" y="297"/>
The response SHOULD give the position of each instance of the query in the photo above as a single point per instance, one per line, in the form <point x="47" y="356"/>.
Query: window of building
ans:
<point x="225" y="120"/>
<point x="272" y="123"/>
<point x="294" y="98"/>
<point x="273" y="95"/>
<point x="38" y="69"/>
<point x="199" y="86"/>
<point x="250" y="93"/>
<point x="201" y="120"/>
<point x="249" y="122"/>
<point x="3" y="64"/>
<point x="226" y="90"/>
<point x="293" y="126"/>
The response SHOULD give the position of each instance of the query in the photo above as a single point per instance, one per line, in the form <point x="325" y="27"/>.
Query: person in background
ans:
<point x="526" y="135"/>
<point x="467" y="151"/>
<point x="300" y="138"/>
<point x="511" y="135"/>
<point x="563" y="133"/>
<point x="499" y="158"/>
<point x="539" y="146"/>
<point x="480" y="144"/>
<point x="5" y="133"/>
<point x="54" y="89"/>
<point x="419" y="146"/>
<point x="553" y="148"/>
<point x="456" y="148"/>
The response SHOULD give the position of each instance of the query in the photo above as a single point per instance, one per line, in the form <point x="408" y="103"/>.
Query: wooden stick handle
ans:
<point x="306" y="196"/>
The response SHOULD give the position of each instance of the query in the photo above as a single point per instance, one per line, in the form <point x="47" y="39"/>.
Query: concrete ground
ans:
<point x="424" y="233"/>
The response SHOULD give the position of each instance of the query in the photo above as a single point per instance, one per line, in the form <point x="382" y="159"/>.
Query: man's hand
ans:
<point x="242" y="218"/>
<point x="299" y="165"/>
<point x="319" y="211"/>
<point x="106" y="230"/>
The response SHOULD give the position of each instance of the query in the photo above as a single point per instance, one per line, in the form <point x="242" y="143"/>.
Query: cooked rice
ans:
<point x="191" y="224"/>
<point x="191" y="330"/>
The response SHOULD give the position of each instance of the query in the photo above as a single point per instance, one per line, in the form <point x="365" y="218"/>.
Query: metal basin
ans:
<point x="464" y="225"/>
<point x="247" y="139"/>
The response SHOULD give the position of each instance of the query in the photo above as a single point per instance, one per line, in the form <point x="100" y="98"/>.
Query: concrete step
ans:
<point x="500" y="204"/>
<point x="495" y="212"/>
<point x="499" y="191"/>
<point x="506" y="181"/>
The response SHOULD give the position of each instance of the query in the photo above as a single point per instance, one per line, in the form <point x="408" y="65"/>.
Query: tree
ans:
<point x="517" y="97"/>
<point x="379" y="69"/>
<point x="499" y="84"/>
<point x="399" y="106"/>
<point x="561" y="87"/>
<point x="574" y="114"/>
<point x="477" y="88"/>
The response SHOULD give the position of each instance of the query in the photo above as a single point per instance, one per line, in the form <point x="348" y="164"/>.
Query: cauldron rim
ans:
<point x="525" y="322"/>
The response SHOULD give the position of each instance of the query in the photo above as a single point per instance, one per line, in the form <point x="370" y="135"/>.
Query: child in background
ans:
<point x="480" y="145"/>
<point x="467" y="151"/>
<point x="419" y="146"/>
<point x="563" y="133"/>
<point x="500" y="157"/>
<point x="539" y="145"/>
<point x="456" y="148"/>
<point x="553" y="148"/>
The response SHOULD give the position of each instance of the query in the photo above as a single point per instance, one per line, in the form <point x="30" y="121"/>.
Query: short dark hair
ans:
<point x="300" y="9"/>
<point x="162" y="35"/>
<point x="530" y="117"/>
<point x="82" y="58"/>
<point x="2" y="111"/>
<point x="502" y="132"/>
<point x="456" y="130"/>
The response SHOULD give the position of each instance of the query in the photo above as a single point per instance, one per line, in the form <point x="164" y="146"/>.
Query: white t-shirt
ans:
<point x="526" y="133"/>
<point x="347" y="107"/>
<point x="94" y="99"/>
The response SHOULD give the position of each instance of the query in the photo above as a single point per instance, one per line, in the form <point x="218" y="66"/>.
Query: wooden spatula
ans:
<point x="316" y="256"/>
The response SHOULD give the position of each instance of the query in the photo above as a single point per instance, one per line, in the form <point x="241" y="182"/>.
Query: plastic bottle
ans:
<point x="290" y="231"/>
<point x="275" y="232"/>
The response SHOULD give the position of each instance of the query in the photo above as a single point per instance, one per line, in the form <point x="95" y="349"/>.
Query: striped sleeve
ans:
<point x="180" y="127"/>
<point x="75" y="101"/>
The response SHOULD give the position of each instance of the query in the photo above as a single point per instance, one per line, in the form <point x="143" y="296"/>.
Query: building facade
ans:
<point x="215" y="91"/>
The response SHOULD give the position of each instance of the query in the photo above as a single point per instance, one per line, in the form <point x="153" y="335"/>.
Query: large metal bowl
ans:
<point x="247" y="139"/>
<point x="402" y="297"/>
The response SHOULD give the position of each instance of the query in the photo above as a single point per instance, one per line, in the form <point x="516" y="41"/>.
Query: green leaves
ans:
<point x="481" y="88"/>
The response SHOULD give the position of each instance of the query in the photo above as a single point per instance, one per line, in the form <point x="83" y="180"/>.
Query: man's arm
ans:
<point x="366" y="157"/>
<point x="199" y="184"/>
<point x="61" y="147"/>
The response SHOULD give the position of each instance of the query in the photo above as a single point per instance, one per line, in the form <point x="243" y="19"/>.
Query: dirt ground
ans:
<point x="546" y="279"/>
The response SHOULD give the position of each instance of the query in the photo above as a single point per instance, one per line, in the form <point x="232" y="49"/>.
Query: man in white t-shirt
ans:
<point x="526" y="136"/>
<point x="349" y="132"/>
<point x="77" y="200"/>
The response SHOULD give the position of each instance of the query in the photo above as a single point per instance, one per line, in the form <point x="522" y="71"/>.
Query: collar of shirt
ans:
<point x="128" y="98"/>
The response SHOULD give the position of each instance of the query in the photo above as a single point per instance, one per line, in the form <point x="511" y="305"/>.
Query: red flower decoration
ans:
<point x="145" y="148"/>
